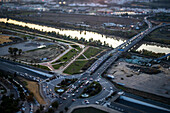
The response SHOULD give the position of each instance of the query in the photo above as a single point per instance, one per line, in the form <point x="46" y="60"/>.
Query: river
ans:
<point x="112" y="41"/>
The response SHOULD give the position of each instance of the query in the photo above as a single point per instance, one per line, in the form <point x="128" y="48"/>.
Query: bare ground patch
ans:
<point x="152" y="83"/>
<point x="34" y="88"/>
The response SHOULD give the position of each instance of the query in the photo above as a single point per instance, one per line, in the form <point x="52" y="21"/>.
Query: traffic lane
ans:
<point x="16" y="68"/>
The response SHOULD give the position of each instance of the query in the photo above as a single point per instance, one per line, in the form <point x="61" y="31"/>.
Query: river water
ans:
<point x="112" y="41"/>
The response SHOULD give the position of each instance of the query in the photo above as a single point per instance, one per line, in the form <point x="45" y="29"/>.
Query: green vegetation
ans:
<point x="81" y="57"/>
<point x="63" y="85"/>
<point x="67" y="56"/>
<point x="159" y="35"/>
<point x="76" y="47"/>
<point x="13" y="51"/>
<point x="87" y="65"/>
<point x="75" y="67"/>
<point x="41" y="67"/>
<point x="88" y="110"/>
<point x="91" y="51"/>
<point x="150" y="53"/>
<point x="67" y="82"/>
<point x="9" y="105"/>
<point x="57" y="66"/>
<point x="93" y="89"/>
<point x="55" y="104"/>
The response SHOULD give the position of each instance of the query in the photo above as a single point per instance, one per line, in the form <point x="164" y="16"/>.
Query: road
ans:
<point x="15" y="67"/>
<point x="102" y="64"/>
<point x="94" y="72"/>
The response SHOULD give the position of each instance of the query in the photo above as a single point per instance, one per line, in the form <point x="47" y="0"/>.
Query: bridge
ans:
<point x="110" y="57"/>
<point x="163" y="56"/>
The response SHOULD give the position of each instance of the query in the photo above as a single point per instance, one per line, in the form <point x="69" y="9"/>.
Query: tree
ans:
<point x="38" y="111"/>
<point x="19" y="51"/>
<point x="50" y="110"/>
<point x="55" y="104"/>
<point x="30" y="98"/>
<point x="66" y="108"/>
<point x="10" y="50"/>
<point x="15" y="51"/>
<point x="41" y="107"/>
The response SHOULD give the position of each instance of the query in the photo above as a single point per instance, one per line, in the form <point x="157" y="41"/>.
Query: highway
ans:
<point x="15" y="67"/>
<point x="104" y="62"/>
<point x="94" y="72"/>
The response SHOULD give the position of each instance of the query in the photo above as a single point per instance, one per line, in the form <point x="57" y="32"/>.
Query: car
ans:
<point x="86" y="101"/>
<point x="73" y="94"/>
<point x="97" y="102"/>
<point x="64" y="98"/>
<point x="111" y="88"/>
<point x="77" y="91"/>
<point x="73" y="100"/>
<point x="104" y="88"/>
<point x="81" y="86"/>
<point x="91" y="79"/>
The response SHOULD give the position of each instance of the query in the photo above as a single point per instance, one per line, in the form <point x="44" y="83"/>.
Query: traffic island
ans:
<point x="93" y="89"/>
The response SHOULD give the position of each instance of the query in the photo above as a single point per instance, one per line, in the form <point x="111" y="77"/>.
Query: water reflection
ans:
<point x="154" y="48"/>
<point x="110" y="40"/>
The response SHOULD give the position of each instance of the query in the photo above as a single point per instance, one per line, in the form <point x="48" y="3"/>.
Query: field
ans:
<point x="75" y="67"/>
<point x="34" y="88"/>
<point x="90" y="52"/>
<point x="55" y="19"/>
<point x="160" y="35"/>
<point x="67" y="56"/>
<point x="38" y="55"/>
<point x="42" y="67"/>
<point x="81" y="57"/>
<point x="57" y="66"/>
<point x="4" y="38"/>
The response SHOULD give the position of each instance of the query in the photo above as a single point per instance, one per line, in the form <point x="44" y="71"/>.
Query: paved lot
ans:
<point x="25" y="46"/>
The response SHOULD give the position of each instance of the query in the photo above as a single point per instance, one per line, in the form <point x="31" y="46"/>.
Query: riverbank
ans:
<point x="84" y="37"/>
<point x="70" y="21"/>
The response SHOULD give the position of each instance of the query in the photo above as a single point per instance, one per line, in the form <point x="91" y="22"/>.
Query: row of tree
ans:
<point x="14" y="51"/>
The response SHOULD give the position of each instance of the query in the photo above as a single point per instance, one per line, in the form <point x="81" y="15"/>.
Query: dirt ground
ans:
<point x="77" y="18"/>
<point x="34" y="88"/>
<point x="4" y="38"/>
<point x="37" y="56"/>
<point x="153" y="83"/>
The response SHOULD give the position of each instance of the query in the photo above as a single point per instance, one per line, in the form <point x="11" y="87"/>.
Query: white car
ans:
<point x="97" y="102"/>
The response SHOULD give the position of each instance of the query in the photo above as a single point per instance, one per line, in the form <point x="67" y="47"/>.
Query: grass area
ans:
<point x="67" y="82"/>
<point x="42" y="67"/>
<point x="76" y="47"/>
<point x="67" y="56"/>
<point x="4" y="39"/>
<point x="159" y="35"/>
<point x="91" y="51"/>
<point x="75" y="67"/>
<point x="81" y="57"/>
<point x="93" y="89"/>
<point x="57" y="66"/>
<point x="34" y="88"/>
<point x="88" y="110"/>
